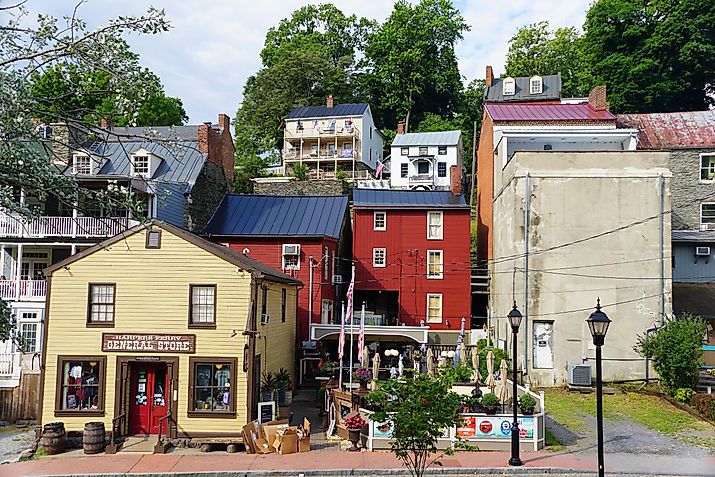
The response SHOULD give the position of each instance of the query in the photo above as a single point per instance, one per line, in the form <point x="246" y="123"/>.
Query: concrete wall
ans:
<point x="594" y="231"/>
<point x="688" y="191"/>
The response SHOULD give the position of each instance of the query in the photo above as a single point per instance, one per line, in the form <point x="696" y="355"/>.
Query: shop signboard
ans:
<point x="493" y="427"/>
<point x="467" y="427"/>
<point x="383" y="430"/>
<point x="148" y="342"/>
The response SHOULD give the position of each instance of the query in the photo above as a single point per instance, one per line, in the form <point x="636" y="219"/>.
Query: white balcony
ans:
<point x="308" y="131"/>
<point x="23" y="290"/>
<point x="9" y="369"/>
<point x="419" y="334"/>
<point x="12" y="225"/>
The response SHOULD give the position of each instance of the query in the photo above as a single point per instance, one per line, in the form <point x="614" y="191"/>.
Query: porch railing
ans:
<point x="112" y="447"/>
<point x="9" y="365"/>
<point x="159" y="447"/>
<point x="12" y="225"/>
<point x="23" y="290"/>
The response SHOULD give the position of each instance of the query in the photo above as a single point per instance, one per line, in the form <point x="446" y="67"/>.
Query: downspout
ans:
<point x="527" y="214"/>
<point x="310" y="292"/>
<point x="661" y="187"/>
<point x="251" y="333"/>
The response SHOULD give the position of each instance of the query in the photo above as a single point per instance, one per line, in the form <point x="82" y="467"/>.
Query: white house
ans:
<point x="422" y="160"/>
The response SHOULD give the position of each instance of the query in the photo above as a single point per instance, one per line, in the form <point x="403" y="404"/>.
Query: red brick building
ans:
<point x="291" y="233"/>
<point x="411" y="254"/>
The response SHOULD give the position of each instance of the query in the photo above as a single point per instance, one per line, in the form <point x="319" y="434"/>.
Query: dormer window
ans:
<point x="536" y="85"/>
<point x="81" y="164"/>
<point x="509" y="86"/>
<point x="140" y="165"/>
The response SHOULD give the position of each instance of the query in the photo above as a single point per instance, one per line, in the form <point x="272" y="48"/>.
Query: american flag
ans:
<point x="361" y="337"/>
<point x="349" y="296"/>
<point x="378" y="170"/>
<point x="341" y="341"/>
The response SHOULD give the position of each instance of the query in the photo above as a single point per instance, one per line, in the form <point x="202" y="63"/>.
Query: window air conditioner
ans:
<point x="264" y="318"/>
<point x="702" y="251"/>
<point x="337" y="279"/>
<point x="707" y="226"/>
<point x="291" y="249"/>
<point x="579" y="374"/>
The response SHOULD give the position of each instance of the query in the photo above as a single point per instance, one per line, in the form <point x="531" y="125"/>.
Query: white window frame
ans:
<point x="706" y="225"/>
<point x="441" y="225"/>
<point x="375" y="259"/>
<point x="375" y="225"/>
<point x="536" y="85"/>
<point x="36" y="320"/>
<point x="290" y="266"/>
<point x="710" y="168"/>
<point x="441" y="308"/>
<point x="423" y="151"/>
<point x="508" y="86"/>
<point x="440" y="274"/>
<point x="326" y="268"/>
<point x="404" y="151"/>
<point x="142" y="173"/>
<point x="86" y="162"/>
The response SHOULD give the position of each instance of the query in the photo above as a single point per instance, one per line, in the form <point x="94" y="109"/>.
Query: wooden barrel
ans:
<point x="93" y="439"/>
<point x="53" y="438"/>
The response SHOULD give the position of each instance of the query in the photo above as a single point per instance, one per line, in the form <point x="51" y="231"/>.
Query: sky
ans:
<point x="214" y="45"/>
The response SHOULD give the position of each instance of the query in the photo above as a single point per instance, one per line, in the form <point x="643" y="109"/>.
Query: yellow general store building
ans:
<point x="158" y="328"/>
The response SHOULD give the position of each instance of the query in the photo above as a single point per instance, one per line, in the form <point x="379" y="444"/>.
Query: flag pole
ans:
<point x="351" y="354"/>
<point x="340" y="351"/>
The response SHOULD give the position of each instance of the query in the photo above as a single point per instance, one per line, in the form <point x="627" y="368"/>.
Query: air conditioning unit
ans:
<point x="707" y="226"/>
<point x="337" y="279"/>
<point x="291" y="249"/>
<point x="579" y="374"/>
<point x="702" y="251"/>
<point x="264" y="318"/>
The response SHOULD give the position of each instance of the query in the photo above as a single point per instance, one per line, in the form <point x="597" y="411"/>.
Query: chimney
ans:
<point x="490" y="76"/>
<point x="455" y="180"/>
<point x="597" y="98"/>
<point x="400" y="128"/>
<point x="105" y="123"/>
<point x="203" y="137"/>
<point x="329" y="102"/>
<point x="224" y="121"/>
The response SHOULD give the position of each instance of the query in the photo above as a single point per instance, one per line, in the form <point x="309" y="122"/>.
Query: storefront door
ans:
<point x="147" y="398"/>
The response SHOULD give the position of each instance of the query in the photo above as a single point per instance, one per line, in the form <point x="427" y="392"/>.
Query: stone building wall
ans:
<point x="322" y="187"/>
<point x="688" y="192"/>
<point x="206" y="195"/>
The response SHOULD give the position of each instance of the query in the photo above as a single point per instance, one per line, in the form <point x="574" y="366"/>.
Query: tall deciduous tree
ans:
<point x="537" y="50"/>
<point x="654" y="55"/>
<point x="411" y="65"/>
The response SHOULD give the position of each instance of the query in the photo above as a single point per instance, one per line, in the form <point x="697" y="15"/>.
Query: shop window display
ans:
<point x="212" y="387"/>
<point x="80" y="385"/>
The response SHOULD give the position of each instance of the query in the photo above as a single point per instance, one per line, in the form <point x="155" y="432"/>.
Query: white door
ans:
<point x="326" y="312"/>
<point x="543" y="344"/>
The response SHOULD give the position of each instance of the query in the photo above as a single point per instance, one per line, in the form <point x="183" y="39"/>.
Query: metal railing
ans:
<point x="12" y="225"/>
<point x="327" y="154"/>
<point x="159" y="447"/>
<point x="322" y="131"/>
<point x="25" y="290"/>
<point x="112" y="447"/>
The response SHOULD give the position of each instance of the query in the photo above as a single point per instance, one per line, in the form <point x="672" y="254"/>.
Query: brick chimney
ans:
<point x="329" y="102"/>
<point x="217" y="143"/>
<point x="455" y="180"/>
<point x="597" y="98"/>
<point x="203" y="137"/>
<point x="400" y="128"/>
<point x="490" y="76"/>
<point x="224" y="121"/>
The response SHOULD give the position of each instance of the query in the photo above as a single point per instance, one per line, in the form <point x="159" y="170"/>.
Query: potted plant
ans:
<point x="354" y="425"/>
<point x="363" y="375"/>
<point x="268" y="386"/>
<point x="282" y="379"/>
<point x="490" y="401"/>
<point x="527" y="404"/>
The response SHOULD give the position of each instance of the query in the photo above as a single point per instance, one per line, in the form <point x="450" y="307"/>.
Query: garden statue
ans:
<point x="401" y="366"/>
<point x="393" y="372"/>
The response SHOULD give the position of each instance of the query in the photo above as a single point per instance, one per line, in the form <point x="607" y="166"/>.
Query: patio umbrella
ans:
<point x="462" y="351"/>
<point x="503" y="389"/>
<point x="430" y="362"/>
<point x="475" y="364"/>
<point x="375" y="370"/>
<point x="365" y="357"/>
<point x="491" y="384"/>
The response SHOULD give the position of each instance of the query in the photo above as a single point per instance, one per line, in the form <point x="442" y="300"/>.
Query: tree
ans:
<point x="419" y="410"/>
<point x="654" y="55"/>
<point x="676" y="349"/>
<point x="537" y="50"/>
<point x="411" y="66"/>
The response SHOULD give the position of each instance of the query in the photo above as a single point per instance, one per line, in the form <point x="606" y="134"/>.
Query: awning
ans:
<point x="319" y="331"/>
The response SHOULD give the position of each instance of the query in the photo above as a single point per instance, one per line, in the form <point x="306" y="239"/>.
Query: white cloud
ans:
<point x="214" y="45"/>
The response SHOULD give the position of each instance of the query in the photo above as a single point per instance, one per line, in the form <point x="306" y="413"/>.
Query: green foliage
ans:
<point x="341" y="175"/>
<point x="425" y="408"/>
<point x="462" y="373"/>
<point x="537" y="50"/>
<point x="684" y="395"/>
<point x="268" y="381"/>
<point x="705" y="405"/>
<point x="410" y="62"/>
<point x="527" y="402"/>
<point x="675" y="349"/>
<point x="320" y="395"/>
<point x="499" y="354"/>
<point x="490" y="400"/>
<point x="654" y="56"/>
<point x="6" y="324"/>
<point x="300" y="171"/>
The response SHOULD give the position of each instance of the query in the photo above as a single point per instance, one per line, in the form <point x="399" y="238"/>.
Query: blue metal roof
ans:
<point x="270" y="215"/>
<point x="371" y="198"/>
<point x="350" y="109"/>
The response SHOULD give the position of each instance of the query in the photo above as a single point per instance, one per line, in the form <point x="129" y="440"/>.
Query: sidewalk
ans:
<point x="329" y="463"/>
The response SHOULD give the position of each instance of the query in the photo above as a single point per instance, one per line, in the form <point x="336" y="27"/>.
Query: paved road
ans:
<point x="13" y="441"/>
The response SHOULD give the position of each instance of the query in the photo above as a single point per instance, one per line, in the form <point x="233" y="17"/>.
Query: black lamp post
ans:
<point x="514" y="320"/>
<point x="598" y="325"/>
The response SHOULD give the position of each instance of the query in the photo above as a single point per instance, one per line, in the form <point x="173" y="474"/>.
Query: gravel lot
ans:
<point x="14" y="440"/>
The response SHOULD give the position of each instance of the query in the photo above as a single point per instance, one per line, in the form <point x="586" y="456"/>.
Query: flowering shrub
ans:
<point x="362" y="374"/>
<point x="354" y="422"/>
<point x="327" y="368"/>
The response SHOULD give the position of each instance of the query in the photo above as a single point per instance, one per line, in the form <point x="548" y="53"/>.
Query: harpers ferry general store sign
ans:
<point x="148" y="342"/>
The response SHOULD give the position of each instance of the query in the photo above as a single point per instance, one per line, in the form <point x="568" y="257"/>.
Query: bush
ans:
<point x="490" y="399"/>
<point x="499" y="354"/>
<point x="684" y="395"/>
<point x="300" y="171"/>
<point x="527" y="402"/>
<point x="462" y="373"/>
<point x="675" y="349"/>
<point x="705" y="405"/>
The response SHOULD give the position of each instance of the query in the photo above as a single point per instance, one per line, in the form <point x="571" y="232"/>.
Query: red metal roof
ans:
<point x="672" y="130"/>
<point x="547" y="112"/>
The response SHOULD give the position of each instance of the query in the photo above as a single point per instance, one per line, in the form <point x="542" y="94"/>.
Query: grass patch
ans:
<point x="553" y="444"/>
<point x="11" y="428"/>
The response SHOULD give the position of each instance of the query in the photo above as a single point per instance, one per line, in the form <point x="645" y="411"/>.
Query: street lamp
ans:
<point x="514" y="320"/>
<point x="598" y="325"/>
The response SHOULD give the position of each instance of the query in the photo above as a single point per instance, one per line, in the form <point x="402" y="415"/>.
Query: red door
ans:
<point x="148" y="398"/>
